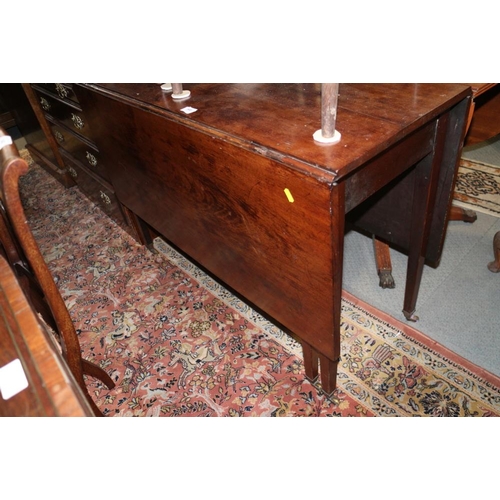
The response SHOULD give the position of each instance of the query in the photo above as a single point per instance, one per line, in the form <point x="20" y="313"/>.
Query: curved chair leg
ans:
<point x="494" y="266"/>
<point x="97" y="372"/>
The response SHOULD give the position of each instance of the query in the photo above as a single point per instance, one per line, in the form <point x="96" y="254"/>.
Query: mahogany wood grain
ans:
<point x="213" y="183"/>
<point x="213" y="207"/>
<point x="278" y="120"/>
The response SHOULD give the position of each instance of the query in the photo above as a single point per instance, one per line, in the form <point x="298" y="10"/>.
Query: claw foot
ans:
<point x="386" y="279"/>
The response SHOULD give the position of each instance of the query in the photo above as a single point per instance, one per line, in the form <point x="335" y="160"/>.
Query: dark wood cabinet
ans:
<point x="65" y="126"/>
<point x="27" y="119"/>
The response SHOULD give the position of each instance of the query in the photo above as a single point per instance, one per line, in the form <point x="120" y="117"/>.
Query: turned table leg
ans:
<point x="494" y="266"/>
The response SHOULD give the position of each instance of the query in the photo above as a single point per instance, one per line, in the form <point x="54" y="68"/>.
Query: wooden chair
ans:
<point x="23" y="254"/>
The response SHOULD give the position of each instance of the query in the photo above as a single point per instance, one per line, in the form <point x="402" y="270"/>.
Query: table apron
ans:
<point x="385" y="167"/>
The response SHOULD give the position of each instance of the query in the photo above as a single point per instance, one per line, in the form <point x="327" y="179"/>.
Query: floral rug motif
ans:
<point x="478" y="187"/>
<point x="179" y="344"/>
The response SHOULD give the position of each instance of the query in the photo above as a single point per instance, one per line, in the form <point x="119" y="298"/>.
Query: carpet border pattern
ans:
<point x="446" y="366"/>
<point x="478" y="187"/>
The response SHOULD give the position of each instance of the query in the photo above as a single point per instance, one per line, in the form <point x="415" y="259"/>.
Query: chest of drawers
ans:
<point x="35" y="130"/>
<point x="58" y="107"/>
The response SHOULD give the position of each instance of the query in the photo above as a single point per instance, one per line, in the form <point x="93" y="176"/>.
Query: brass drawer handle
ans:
<point x="59" y="136"/>
<point x="91" y="158"/>
<point x="105" y="198"/>
<point x="72" y="172"/>
<point x="62" y="91"/>
<point x="77" y="121"/>
<point x="44" y="103"/>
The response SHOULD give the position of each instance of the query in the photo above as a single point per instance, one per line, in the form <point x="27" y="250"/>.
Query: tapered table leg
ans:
<point x="328" y="374"/>
<point x="310" y="362"/>
<point x="424" y="195"/>
<point x="328" y="368"/>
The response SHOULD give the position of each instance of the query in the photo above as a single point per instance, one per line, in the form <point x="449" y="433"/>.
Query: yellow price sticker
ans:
<point x="289" y="195"/>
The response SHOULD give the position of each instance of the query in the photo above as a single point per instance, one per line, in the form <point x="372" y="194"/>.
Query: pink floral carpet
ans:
<point x="179" y="344"/>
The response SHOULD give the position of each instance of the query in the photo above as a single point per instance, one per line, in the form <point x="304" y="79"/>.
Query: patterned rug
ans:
<point x="179" y="344"/>
<point x="478" y="187"/>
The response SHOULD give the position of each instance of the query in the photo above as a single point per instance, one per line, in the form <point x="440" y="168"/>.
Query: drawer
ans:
<point x="99" y="192"/>
<point x="82" y="151"/>
<point x="63" y="90"/>
<point x="64" y="112"/>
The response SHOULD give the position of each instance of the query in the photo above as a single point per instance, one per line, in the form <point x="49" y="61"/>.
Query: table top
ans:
<point x="480" y="88"/>
<point x="278" y="120"/>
